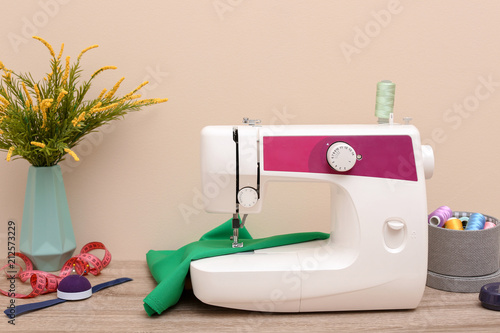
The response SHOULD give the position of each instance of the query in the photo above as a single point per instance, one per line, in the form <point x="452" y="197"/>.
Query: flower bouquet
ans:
<point x="41" y="121"/>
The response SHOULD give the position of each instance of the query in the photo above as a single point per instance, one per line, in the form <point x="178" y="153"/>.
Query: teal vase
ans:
<point x="47" y="236"/>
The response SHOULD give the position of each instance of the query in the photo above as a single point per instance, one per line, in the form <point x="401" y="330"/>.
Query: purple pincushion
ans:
<point x="74" y="287"/>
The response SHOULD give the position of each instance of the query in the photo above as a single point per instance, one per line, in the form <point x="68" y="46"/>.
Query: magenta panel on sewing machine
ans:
<point x="389" y="156"/>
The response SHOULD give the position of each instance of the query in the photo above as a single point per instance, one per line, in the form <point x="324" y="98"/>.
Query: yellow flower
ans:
<point x="85" y="50"/>
<point x="38" y="144"/>
<point x="46" y="103"/>
<point x="4" y="101"/>
<point x="46" y="44"/>
<point x="115" y="88"/>
<point x="72" y="153"/>
<point x="150" y="101"/>
<point x="29" y="102"/>
<point x="66" y="72"/>
<point x="105" y="108"/>
<point x="76" y="120"/>
<point x="95" y="107"/>
<point x="60" y="97"/>
<point x="38" y="97"/>
<point x="9" y="153"/>
<point x="102" y="69"/>
<point x="102" y="93"/>
<point x="6" y="75"/>
<point x="136" y="89"/>
<point x="60" y="52"/>
<point x="5" y="69"/>
<point x="126" y="98"/>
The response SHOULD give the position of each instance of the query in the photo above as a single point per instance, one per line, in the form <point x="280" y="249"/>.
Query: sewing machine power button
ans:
<point x="394" y="234"/>
<point x="396" y="225"/>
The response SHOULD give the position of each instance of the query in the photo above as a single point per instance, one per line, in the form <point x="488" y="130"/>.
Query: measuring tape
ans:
<point x="44" y="283"/>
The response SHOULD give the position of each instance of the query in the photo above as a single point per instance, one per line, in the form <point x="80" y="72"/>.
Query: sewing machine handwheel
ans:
<point x="248" y="197"/>
<point x="341" y="156"/>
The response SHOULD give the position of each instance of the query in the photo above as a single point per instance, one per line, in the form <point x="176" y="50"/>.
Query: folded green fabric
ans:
<point x="170" y="268"/>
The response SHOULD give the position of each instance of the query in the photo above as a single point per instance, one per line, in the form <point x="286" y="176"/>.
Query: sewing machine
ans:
<point x="376" y="256"/>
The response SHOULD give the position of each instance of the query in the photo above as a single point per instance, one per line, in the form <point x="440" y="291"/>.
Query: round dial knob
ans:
<point x="247" y="197"/>
<point x="341" y="156"/>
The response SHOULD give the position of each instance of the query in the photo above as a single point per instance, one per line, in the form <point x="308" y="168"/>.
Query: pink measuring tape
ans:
<point x="44" y="283"/>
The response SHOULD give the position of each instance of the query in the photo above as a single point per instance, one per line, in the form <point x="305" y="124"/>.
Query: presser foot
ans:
<point x="235" y="238"/>
<point x="236" y="231"/>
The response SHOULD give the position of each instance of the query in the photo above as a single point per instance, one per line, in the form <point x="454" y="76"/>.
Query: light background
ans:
<point x="137" y="185"/>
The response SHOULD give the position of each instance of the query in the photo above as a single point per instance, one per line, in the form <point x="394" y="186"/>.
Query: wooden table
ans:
<point x="120" y="309"/>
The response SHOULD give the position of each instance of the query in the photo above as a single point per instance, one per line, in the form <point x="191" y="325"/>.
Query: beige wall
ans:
<point x="285" y="62"/>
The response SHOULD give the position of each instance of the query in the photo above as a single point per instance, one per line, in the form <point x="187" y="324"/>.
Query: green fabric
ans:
<point x="170" y="268"/>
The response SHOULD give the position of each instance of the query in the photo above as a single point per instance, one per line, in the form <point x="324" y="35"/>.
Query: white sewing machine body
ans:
<point x="376" y="256"/>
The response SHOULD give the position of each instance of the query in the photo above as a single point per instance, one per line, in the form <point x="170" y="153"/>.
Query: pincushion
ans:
<point x="74" y="287"/>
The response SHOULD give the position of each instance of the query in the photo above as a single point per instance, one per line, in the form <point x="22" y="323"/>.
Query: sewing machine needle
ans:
<point x="236" y="230"/>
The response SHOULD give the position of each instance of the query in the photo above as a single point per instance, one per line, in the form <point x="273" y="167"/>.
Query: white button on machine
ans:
<point x="394" y="234"/>
<point x="341" y="156"/>
<point x="248" y="197"/>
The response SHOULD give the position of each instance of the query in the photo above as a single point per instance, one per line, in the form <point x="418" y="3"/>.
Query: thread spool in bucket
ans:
<point x="463" y="260"/>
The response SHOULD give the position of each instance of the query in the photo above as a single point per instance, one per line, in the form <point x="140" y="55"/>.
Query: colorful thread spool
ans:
<point x="438" y="217"/>
<point x="454" y="224"/>
<point x="488" y="225"/>
<point x="476" y="222"/>
<point x="464" y="220"/>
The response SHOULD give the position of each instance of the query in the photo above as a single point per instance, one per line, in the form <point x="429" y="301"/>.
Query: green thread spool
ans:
<point x="384" y="100"/>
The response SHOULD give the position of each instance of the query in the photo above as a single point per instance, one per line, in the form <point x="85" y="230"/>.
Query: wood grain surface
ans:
<point x="120" y="309"/>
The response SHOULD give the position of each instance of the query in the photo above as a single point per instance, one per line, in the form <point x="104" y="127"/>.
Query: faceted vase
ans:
<point x="47" y="236"/>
